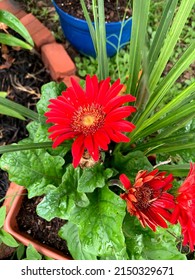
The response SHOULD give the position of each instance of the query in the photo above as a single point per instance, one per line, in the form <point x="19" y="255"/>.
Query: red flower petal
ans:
<point x="125" y="181"/>
<point x="95" y="115"/>
<point x="77" y="150"/>
<point x="152" y="205"/>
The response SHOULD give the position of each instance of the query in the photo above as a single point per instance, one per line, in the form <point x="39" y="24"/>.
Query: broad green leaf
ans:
<point x="2" y="215"/>
<point x="60" y="201"/>
<point x="94" y="177"/>
<point x="7" y="239"/>
<point x="14" y="23"/>
<point x="32" y="128"/>
<point x="144" y="244"/>
<point x="32" y="254"/>
<point x="161" y="245"/>
<point x="20" y="251"/>
<point x="33" y="169"/>
<point x="100" y="224"/>
<point x="38" y="133"/>
<point x="131" y="163"/>
<point x="69" y="232"/>
<point x="9" y="40"/>
<point x="48" y="91"/>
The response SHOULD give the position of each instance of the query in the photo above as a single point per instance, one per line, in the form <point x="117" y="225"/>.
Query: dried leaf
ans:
<point x="3" y="27"/>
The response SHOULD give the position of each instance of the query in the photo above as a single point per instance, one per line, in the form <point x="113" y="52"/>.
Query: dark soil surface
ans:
<point x="38" y="228"/>
<point x="114" y="9"/>
<point x="22" y="80"/>
<point x="22" y="74"/>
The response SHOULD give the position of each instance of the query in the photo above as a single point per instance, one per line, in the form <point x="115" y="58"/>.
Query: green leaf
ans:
<point x="175" y="118"/>
<point x="131" y="163"/>
<point x="137" y="43"/>
<point x="161" y="245"/>
<point x="161" y="32"/>
<point x="32" y="254"/>
<point x="48" y="91"/>
<point x="176" y="102"/>
<point x="14" y="23"/>
<point x="8" y="112"/>
<point x="20" y="251"/>
<point x="90" y="24"/>
<point x="60" y="201"/>
<point x="94" y="177"/>
<point x="144" y="244"/>
<point x="19" y="108"/>
<point x="162" y="90"/>
<point x="170" y="41"/>
<point x="9" y="40"/>
<point x="7" y="239"/>
<point x="3" y="94"/>
<point x="23" y="147"/>
<point x="178" y="170"/>
<point x="100" y="225"/>
<point x="2" y="215"/>
<point x="33" y="169"/>
<point x="69" y="232"/>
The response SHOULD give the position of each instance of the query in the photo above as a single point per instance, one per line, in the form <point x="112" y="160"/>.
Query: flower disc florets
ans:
<point x="88" y="119"/>
<point x="148" y="198"/>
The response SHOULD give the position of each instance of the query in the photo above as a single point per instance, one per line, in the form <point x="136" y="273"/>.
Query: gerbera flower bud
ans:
<point x="148" y="199"/>
<point x="92" y="117"/>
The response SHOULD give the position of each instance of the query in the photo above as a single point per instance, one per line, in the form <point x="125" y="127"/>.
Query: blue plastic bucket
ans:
<point x="76" y="31"/>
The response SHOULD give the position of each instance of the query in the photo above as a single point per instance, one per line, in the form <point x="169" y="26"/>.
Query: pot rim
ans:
<point x="11" y="227"/>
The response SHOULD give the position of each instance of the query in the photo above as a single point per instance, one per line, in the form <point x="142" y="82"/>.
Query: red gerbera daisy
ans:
<point x="148" y="199"/>
<point x="184" y="211"/>
<point x="93" y="117"/>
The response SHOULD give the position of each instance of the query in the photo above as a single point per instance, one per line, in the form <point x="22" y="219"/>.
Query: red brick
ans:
<point x="27" y="19"/>
<point x="9" y="6"/>
<point x="58" y="62"/>
<point x="20" y="14"/>
<point x="32" y="24"/>
<point x="42" y="37"/>
<point x="67" y="81"/>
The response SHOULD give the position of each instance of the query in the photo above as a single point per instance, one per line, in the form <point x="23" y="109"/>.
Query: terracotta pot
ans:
<point x="15" y="195"/>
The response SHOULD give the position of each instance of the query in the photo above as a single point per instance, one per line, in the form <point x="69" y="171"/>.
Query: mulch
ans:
<point x="114" y="10"/>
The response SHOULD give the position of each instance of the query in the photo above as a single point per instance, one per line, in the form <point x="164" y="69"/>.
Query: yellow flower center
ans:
<point x="88" y="119"/>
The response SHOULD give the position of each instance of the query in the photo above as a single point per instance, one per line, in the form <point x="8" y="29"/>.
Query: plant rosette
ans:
<point x="117" y="205"/>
